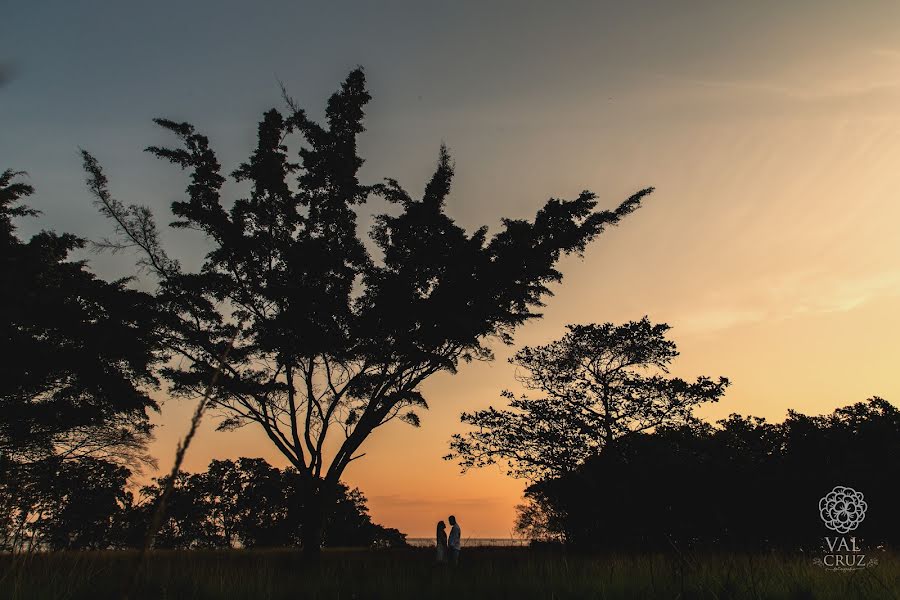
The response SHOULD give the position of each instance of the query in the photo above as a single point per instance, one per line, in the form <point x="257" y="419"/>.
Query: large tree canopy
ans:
<point x="598" y="383"/>
<point x="332" y="338"/>
<point x="78" y="351"/>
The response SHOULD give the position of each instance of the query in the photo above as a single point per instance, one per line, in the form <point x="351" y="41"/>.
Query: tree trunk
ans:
<point x="317" y="505"/>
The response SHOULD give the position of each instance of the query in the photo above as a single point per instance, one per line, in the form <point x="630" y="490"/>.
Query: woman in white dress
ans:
<point x="441" y="542"/>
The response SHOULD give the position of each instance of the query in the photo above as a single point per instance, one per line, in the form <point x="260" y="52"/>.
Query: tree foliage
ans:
<point x="742" y="483"/>
<point x="80" y="351"/>
<point x="333" y="337"/>
<point x="62" y="504"/>
<point x="598" y="384"/>
<point x="247" y="503"/>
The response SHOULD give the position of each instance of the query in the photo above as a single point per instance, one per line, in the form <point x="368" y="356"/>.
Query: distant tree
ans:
<point x="598" y="384"/>
<point x="333" y="339"/>
<point x="538" y="521"/>
<point x="90" y="496"/>
<point x="79" y="351"/>
<point x="249" y="501"/>
<point x="268" y="506"/>
<point x="190" y="516"/>
<point x="351" y="525"/>
<point x="250" y="504"/>
<point x="60" y="504"/>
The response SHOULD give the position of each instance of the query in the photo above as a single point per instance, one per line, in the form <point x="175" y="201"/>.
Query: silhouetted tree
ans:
<point x="268" y="505"/>
<point x="600" y="383"/>
<point x="80" y="350"/>
<point x="330" y="338"/>
<point x="60" y="504"/>
<point x="250" y="504"/>
<point x="351" y="525"/>
<point x="538" y="521"/>
<point x="78" y="360"/>
<point x="248" y="500"/>
<point x="740" y="484"/>
<point x="190" y="516"/>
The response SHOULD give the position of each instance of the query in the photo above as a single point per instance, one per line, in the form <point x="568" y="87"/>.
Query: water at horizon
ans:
<point x="471" y="542"/>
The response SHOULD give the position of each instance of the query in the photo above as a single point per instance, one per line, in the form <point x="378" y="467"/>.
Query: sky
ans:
<point x="771" y="131"/>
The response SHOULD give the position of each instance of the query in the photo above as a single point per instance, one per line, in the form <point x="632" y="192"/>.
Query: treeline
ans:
<point x="742" y="483"/>
<point x="86" y="504"/>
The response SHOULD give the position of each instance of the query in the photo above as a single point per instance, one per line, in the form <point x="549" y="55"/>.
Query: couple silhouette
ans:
<point x="448" y="548"/>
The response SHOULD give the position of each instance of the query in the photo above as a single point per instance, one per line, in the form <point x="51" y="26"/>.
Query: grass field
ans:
<point x="493" y="573"/>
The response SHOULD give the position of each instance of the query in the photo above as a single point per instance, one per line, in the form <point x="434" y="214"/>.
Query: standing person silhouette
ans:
<point x="454" y="542"/>
<point x="441" y="542"/>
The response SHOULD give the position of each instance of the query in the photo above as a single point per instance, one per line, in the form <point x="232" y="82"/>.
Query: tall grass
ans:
<point x="495" y="573"/>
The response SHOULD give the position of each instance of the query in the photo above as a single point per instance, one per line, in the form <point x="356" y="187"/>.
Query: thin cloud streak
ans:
<point x="797" y="296"/>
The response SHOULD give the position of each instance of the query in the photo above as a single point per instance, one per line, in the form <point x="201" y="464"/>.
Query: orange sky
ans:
<point x="771" y="132"/>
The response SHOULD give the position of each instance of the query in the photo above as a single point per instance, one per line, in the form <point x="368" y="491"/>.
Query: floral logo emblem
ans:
<point x="842" y="509"/>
